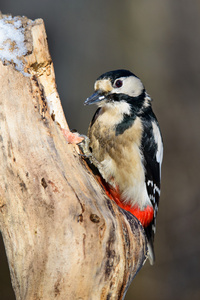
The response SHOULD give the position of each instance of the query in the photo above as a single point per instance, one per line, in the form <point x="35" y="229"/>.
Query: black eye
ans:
<point x="118" y="83"/>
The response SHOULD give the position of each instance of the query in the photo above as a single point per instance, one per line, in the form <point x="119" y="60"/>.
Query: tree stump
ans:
<point x="64" y="238"/>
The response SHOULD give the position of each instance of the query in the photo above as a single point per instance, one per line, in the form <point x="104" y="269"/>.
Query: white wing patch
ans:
<point x="158" y="140"/>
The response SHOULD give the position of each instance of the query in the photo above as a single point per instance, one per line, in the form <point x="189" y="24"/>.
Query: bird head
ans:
<point x="116" y="86"/>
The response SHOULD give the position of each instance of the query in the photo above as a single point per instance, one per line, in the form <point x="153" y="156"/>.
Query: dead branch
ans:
<point x="64" y="238"/>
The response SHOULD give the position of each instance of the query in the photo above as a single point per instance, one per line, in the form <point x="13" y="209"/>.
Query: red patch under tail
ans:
<point x="144" y="216"/>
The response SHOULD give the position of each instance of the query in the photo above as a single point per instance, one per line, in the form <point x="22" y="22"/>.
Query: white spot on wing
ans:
<point x="156" y="189"/>
<point x="150" y="183"/>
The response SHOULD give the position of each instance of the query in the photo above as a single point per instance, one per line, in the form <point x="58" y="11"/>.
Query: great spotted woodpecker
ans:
<point x="125" y="144"/>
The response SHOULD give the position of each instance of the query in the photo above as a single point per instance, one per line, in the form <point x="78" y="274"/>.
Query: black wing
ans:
<point x="152" y="149"/>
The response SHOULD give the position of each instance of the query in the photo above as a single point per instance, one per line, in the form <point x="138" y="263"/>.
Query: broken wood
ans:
<point x="64" y="238"/>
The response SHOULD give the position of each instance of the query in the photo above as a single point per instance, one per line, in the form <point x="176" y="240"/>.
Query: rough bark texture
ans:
<point x="64" y="238"/>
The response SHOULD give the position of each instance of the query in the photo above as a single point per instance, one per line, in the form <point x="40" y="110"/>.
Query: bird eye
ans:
<point x="118" y="83"/>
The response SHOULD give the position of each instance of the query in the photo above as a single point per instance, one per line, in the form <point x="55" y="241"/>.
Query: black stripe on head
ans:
<point x="113" y="75"/>
<point x="135" y="102"/>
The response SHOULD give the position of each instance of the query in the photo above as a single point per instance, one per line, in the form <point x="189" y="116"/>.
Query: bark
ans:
<point x="63" y="237"/>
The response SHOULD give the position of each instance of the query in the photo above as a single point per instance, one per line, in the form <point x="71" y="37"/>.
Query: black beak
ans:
<point x="95" y="98"/>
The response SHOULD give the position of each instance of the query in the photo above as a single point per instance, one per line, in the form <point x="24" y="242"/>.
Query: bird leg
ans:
<point x="87" y="154"/>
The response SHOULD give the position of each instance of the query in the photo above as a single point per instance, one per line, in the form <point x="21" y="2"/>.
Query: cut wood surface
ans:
<point x="64" y="238"/>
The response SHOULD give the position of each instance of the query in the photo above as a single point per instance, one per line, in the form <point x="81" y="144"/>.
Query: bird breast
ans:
<point x="120" y="155"/>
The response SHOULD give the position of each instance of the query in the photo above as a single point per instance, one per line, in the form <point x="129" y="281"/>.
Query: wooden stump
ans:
<point x="64" y="238"/>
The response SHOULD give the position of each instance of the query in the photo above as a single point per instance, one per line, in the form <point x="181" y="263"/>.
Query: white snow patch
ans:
<point x="12" y="46"/>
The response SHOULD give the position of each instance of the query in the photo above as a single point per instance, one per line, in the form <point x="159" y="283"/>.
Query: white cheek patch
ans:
<point x="132" y="86"/>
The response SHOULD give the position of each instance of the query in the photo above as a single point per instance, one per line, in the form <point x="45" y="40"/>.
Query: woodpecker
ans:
<point x="125" y="144"/>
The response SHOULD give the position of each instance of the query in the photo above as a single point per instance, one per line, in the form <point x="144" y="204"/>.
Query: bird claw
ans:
<point x="83" y="156"/>
<point x="84" y="146"/>
<point x="87" y="154"/>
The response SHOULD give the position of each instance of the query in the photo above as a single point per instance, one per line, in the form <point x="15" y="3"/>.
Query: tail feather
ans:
<point x="151" y="255"/>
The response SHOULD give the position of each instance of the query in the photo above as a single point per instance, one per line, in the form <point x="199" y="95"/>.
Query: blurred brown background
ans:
<point x="159" y="40"/>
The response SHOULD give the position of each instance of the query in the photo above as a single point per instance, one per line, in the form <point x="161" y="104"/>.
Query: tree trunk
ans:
<point x="64" y="238"/>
